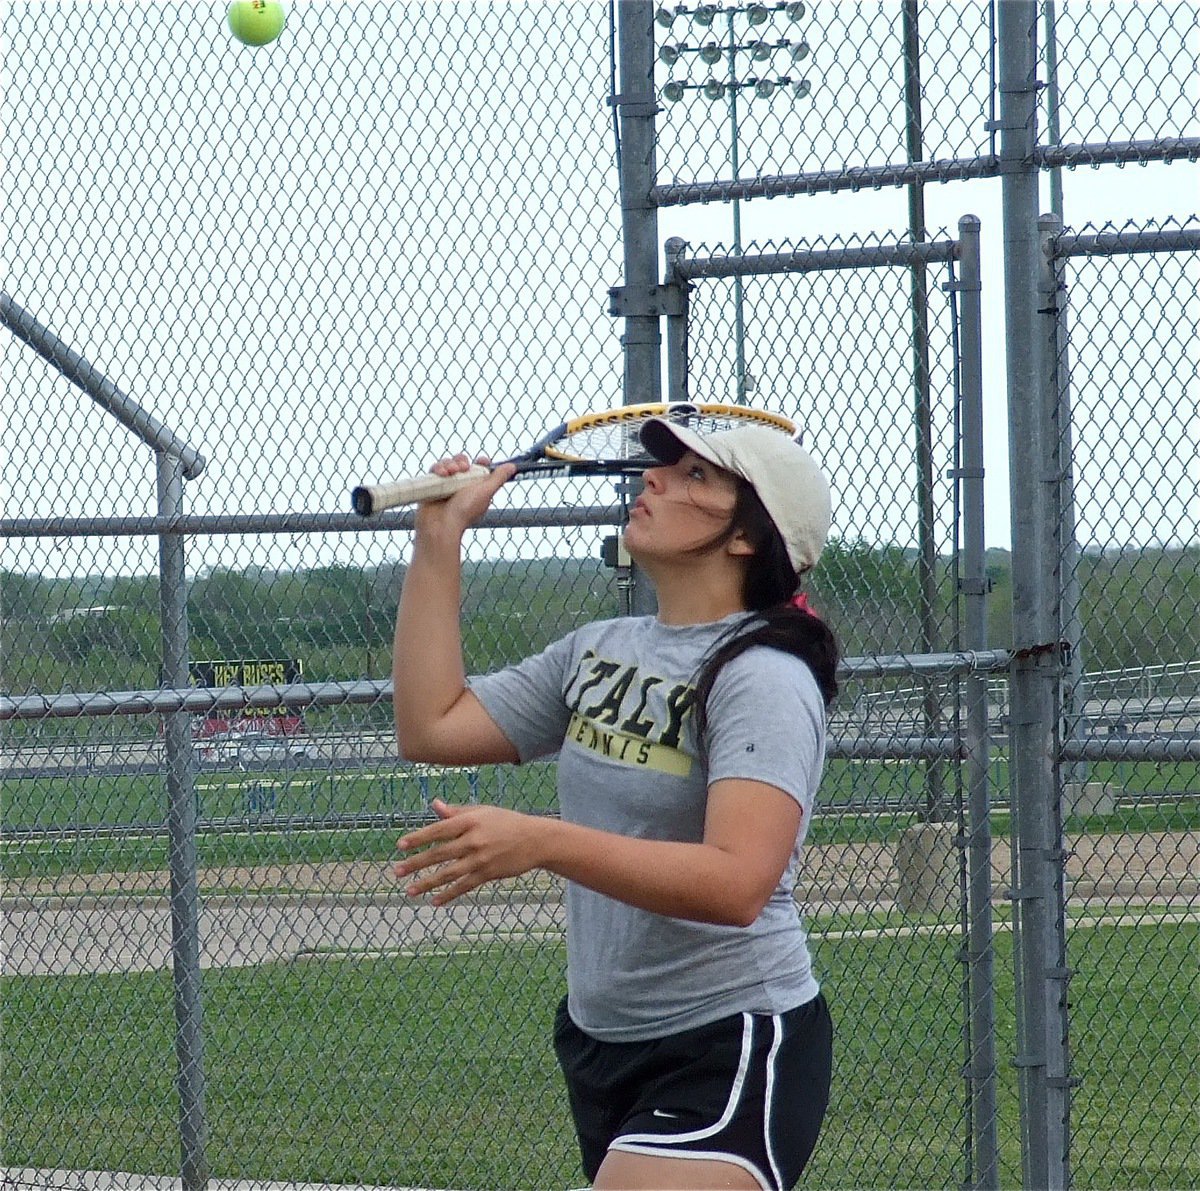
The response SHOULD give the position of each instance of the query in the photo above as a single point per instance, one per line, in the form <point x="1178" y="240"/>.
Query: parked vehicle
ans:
<point x="260" y="748"/>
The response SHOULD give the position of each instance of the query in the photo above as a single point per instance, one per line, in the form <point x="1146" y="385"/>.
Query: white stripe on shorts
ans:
<point x="769" y="1105"/>
<point x="735" y="1094"/>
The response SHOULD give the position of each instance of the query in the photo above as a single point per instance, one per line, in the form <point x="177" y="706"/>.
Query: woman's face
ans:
<point x="682" y="506"/>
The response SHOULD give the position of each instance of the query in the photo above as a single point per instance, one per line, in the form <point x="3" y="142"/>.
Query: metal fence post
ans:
<point x="677" y="323"/>
<point x="935" y="809"/>
<point x="1053" y="303"/>
<point x="1060" y="671"/>
<point x="181" y="828"/>
<point x="981" y="1057"/>
<point x="642" y="341"/>
<point x="1038" y="854"/>
<point x="1052" y="104"/>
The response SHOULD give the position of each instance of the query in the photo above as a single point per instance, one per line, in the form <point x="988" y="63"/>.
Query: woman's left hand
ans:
<point x="467" y="847"/>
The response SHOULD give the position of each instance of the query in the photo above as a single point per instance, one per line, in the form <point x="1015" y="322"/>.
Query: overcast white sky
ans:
<point x="392" y="233"/>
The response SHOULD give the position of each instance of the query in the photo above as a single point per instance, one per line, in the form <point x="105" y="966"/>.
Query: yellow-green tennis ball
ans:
<point x="256" y="22"/>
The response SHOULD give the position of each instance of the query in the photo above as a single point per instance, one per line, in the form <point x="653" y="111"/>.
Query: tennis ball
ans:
<point x="256" y="22"/>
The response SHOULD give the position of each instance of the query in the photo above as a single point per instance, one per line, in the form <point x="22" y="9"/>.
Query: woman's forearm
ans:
<point x="695" y="881"/>
<point x="427" y="663"/>
<point x="750" y="831"/>
<point x="471" y="845"/>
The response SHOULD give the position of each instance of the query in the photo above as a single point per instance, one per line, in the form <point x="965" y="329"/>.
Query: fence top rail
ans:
<point x="963" y="662"/>
<point x="1118" y="152"/>
<point x="950" y="169"/>
<point x="853" y="178"/>
<point x="199" y="700"/>
<point x="82" y="373"/>
<point x="866" y="256"/>
<point x="1181" y="239"/>
<point x="196" y="700"/>
<point x="1123" y="748"/>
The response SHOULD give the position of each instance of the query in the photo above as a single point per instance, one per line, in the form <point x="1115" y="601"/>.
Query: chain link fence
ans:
<point x="886" y="889"/>
<point x="1127" y="367"/>
<point x="812" y="87"/>
<point x="1123" y="74"/>
<point x="389" y="235"/>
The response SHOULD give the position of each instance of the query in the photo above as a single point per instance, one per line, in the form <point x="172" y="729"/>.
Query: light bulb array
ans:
<point x="711" y="51"/>
<point x="715" y="89"/>
<point x="705" y="14"/>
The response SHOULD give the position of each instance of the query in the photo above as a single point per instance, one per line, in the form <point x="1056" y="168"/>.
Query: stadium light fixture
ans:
<point x="761" y="45"/>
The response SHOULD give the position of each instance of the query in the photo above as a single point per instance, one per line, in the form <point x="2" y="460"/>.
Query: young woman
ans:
<point x="694" y="1039"/>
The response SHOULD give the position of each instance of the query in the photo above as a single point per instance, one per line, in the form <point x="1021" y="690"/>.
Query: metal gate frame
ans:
<point x="972" y="750"/>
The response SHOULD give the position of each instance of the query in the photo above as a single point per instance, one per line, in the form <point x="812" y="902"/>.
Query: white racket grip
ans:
<point x="375" y="498"/>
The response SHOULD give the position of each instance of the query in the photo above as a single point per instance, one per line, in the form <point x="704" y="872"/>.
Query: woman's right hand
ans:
<point x="452" y="517"/>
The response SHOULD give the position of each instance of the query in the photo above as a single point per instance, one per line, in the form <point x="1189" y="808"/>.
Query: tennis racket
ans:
<point x="606" y="443"/>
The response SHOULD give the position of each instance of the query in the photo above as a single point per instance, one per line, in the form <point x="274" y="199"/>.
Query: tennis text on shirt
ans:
<point x="608" y="702"/>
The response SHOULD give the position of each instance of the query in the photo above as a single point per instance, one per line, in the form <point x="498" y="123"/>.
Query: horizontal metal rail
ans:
<point x="896" y="748"/>
<point x="1129" y="243"/>
<point x="969" y="661"/>
<point x="226" y="825"/>
<point x="1163" y="748"/>
<point x="198" y="525"/>
<point x="825" y="181"/>
<point x="1174" y="148"/>
<point x="1124" y="748"/>
<point x="951" y="169"/>
<point x="873" y="256"/>
<point x="199" y="700"/>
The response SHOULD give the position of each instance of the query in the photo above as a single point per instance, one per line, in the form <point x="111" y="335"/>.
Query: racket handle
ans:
<point x="368" y="499"/>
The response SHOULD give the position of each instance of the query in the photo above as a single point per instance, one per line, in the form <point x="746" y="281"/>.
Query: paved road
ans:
<point x="135" y="935"/>
<point x="121" y="922"/>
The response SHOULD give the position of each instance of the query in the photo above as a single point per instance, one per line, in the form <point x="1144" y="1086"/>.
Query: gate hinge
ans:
<point x="975" y="586"/>
<point x="625" y="301"/>
<point x="635" y="105"/>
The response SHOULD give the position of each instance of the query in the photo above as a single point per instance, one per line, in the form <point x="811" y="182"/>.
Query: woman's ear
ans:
<point x="740" y="545"/>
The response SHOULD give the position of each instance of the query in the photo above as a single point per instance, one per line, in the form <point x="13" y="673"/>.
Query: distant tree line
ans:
<point x="96" y="633"/>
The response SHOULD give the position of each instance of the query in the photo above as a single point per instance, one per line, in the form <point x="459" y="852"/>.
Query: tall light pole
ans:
<point x="753" y="23"/>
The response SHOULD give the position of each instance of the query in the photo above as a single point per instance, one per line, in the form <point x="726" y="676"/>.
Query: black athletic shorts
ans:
<point x="749" y="1089"/>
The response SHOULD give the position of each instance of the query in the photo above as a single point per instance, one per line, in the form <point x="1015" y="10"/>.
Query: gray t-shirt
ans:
<point x="614" y="699"/>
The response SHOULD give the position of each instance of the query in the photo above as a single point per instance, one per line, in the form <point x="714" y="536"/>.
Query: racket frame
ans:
<point x="548" y="457"/>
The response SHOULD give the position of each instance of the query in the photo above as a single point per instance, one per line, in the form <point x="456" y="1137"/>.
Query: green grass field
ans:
<point x="272" y="814"/>
<point x="436" y="1069"/>
<point x="319" y="793"/>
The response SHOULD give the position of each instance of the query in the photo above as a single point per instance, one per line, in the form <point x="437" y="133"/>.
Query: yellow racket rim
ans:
<point x="626" y="415"/>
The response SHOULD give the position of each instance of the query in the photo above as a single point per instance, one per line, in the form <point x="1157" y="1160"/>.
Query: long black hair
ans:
<point x="769" y="584"/>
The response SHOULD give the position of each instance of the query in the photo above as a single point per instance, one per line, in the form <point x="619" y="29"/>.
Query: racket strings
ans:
<point x="604" y="440"/>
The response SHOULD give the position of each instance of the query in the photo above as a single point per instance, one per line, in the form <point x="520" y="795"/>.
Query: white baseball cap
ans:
<point x="791" y="486"/>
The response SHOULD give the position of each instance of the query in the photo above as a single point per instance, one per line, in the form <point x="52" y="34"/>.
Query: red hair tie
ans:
<point x="800" y="601"/>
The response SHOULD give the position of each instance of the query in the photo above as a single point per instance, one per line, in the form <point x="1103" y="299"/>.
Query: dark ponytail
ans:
<point x="768" y="588"/>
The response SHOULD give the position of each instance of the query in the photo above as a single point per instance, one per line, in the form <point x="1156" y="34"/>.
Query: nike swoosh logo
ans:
<point x="670" y="1116"/>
